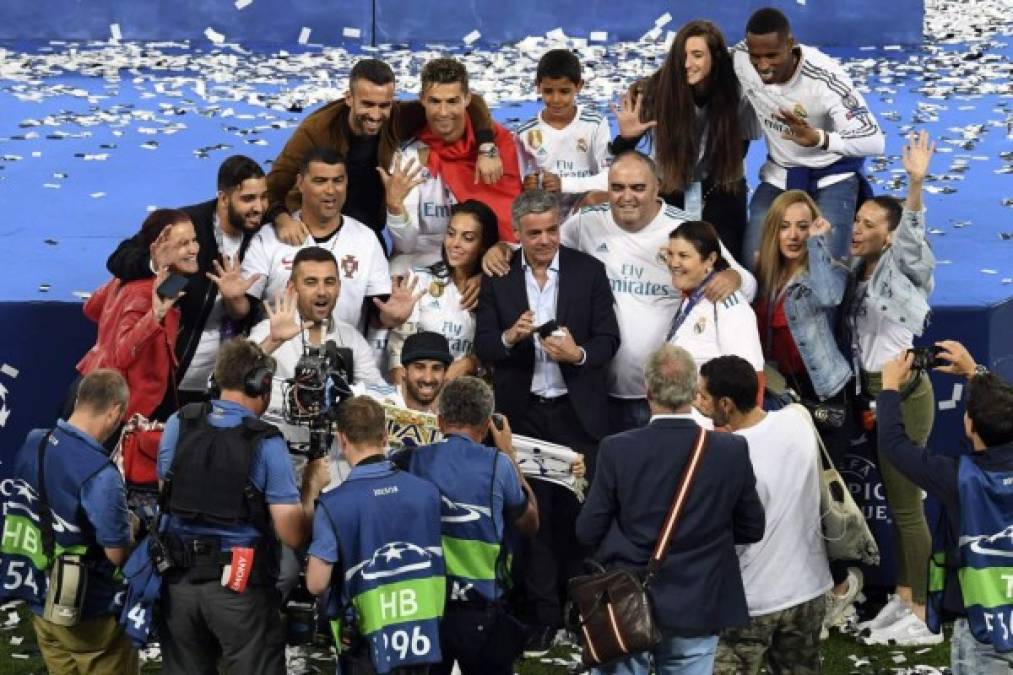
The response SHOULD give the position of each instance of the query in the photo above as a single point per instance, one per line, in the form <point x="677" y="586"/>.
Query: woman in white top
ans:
<point x="893" y="267"/>
<point x="471" y="231"/>
<point x="703" y="328"/>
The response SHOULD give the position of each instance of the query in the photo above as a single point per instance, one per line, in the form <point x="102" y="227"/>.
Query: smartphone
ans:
<point x="172" y="286"/>
<point x="547" y="328"/>
<point x="927" y="358"/>
<point x="497" y="421"/>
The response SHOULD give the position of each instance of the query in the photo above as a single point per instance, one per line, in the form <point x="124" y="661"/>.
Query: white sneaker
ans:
<point x="891" y="612"/>
<point x="841" y="607"/>
<point x="908" y="631"/>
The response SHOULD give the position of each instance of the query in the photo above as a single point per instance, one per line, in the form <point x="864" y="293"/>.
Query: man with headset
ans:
<point x="229" y="495"/>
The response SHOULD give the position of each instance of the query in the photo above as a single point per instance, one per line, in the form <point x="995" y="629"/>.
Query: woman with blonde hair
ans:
<point x="801" y="288"/>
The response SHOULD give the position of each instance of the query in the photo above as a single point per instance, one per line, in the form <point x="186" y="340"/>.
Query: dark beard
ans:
<point x="236" y="221"/>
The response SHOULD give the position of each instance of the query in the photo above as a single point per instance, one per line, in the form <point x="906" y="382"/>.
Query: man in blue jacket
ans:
<point x="89" y="521"/>
<point x="698" y="591"/>
<point x="376" y="544"/>
<point x="969" y="578"/>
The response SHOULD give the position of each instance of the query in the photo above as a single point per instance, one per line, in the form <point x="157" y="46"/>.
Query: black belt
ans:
<point x="535" y="398"/>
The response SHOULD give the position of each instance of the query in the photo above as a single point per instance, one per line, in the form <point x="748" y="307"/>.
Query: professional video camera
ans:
<point x="311" y="398"/>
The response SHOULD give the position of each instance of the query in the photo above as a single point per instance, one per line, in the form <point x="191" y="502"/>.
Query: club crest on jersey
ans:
<point x="700" y="326"/>
<point x="349" y="265"/>
<point x="581" y="145"/>
<point x="850" y="101"/>
<point x="436" y="288"/>
<point x="535" y="138"/>
<point x="800" y="111"/>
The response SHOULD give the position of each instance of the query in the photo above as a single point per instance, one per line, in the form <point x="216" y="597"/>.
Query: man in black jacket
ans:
<point x="549" y="379"/>
<point x="224" y="227"/>
<point x="698" y="591"/>
<point x="977" y="501"/>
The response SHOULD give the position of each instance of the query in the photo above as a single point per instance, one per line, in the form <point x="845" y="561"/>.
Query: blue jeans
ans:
<point x="970" y="657"/>
<point x="673" y="656"/>
<point x="837" y="202"/>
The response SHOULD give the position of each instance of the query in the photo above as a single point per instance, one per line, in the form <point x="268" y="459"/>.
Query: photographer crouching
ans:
<point x="228" y="496"/>
<point x="969" y="579"/>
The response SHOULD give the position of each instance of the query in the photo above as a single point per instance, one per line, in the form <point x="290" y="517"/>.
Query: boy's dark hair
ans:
<point x="444" y="71"/>
<point x="990" y="407"/>
<point x="734" y="378"/>
<point x="322" y="155"/>
<point x="558" y="63"/>
<point x="894" y="209"/>
<point x="374" y="70"/>
<point x="768" y="20"/>
<point x="235" y="169"/>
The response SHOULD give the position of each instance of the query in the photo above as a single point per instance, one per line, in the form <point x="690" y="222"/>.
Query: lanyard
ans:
<point x="687" y="306"/>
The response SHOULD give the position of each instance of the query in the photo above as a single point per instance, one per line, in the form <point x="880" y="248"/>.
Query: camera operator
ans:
<point x="66" y="496"/>
<point x="967" y="579"/>
<point x="229" y="493"/>
<point x="381" y="530"/>
<point x="482" y="492"/>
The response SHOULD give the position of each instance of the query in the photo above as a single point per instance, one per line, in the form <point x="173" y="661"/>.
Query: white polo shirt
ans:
<point x="362" y="266"/>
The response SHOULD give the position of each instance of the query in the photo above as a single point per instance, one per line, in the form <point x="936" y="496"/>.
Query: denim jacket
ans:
<point x="903" y="279"/>
<point x="811" y="302"/>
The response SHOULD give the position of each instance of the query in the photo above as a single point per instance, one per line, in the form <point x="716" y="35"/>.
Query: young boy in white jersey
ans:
<point x="565" y="147"/>
<point x="817" y="125"/>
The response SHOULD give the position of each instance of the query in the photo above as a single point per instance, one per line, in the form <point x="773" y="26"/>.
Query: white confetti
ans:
<point x="556" y="34"/>
<point x="243" y="4"/>
<point x="988" y="271"/>
<point x="114" y="32"/>
<point x="214" y="36"/>
<point x="353" y="33"/>
<point x="97" y="195"/>
<point x="663" y="20"/>
<point x="598" y="36"/>
<point x="304" y="35"/>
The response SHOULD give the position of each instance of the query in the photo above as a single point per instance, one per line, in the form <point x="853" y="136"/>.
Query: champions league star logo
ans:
<point x="394" y="559"/>
<point x="455" y="512"/>
<point x="999" y="544"/>
<point x="17" y="497"/>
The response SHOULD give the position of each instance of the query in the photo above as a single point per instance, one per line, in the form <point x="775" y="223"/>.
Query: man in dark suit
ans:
<point x="698" y="592"/>
<point x="549" y="380"/>
<point x="224" y="227"/>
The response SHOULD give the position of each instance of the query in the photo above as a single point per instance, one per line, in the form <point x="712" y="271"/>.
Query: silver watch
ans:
<point x="492" y="152"/>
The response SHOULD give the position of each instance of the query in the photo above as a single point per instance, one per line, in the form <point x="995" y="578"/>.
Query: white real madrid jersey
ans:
<point x="721" y="329"/>
<point x="418" y="233"/>
<point x="438" y="311"/>
<point x="578" y="153"/>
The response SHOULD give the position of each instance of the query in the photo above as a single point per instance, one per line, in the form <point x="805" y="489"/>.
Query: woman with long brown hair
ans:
<point x="699" y="128"/>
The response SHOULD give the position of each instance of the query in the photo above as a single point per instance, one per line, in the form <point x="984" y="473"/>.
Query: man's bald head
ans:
<point x="633" y="190"/>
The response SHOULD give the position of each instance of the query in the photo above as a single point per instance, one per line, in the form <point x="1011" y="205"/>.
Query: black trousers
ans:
<point x="727" y="211"/>
<point x="553" y="556"/>
<point x="481" y="638"/>
<point x="202" y="623"/>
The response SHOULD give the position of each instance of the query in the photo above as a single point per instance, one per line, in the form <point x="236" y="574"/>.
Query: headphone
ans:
<point x="258" y="381"/>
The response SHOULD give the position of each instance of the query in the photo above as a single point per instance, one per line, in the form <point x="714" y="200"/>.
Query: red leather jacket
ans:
<point x="131" y="341"/>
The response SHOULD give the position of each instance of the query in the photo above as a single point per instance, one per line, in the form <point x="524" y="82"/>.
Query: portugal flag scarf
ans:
<point x="455" y="163"/>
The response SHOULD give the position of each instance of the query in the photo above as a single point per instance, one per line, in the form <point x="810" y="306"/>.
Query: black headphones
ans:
<point x="258" y="381"/>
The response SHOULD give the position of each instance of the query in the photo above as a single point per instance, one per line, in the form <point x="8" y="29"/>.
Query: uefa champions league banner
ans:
<point x="537" y="459"/>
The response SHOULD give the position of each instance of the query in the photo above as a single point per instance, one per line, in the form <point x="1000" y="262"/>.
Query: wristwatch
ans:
<point x="979" y="370"/>
<point x="490" y="151"/>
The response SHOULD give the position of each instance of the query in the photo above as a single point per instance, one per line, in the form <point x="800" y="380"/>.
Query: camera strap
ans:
<point x="45" y="514"/>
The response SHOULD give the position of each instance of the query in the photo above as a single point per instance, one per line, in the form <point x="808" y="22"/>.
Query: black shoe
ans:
<point x="540" y="642"/>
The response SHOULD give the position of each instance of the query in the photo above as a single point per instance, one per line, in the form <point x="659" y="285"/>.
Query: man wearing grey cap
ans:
<point x="425" y="357"/>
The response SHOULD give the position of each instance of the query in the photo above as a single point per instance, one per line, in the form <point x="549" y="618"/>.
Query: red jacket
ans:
<point x="131" y="341"/>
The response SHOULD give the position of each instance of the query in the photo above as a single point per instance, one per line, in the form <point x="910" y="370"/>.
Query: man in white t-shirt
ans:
<point x="627" y="235"/>
<point x="817" y="126"/>
<point x="363" y="268"/>
<point x="786" y="574"/>
<point x="436" y="170"/>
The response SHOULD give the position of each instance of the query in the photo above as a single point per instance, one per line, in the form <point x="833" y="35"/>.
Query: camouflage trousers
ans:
<point x="787" y="641"/>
